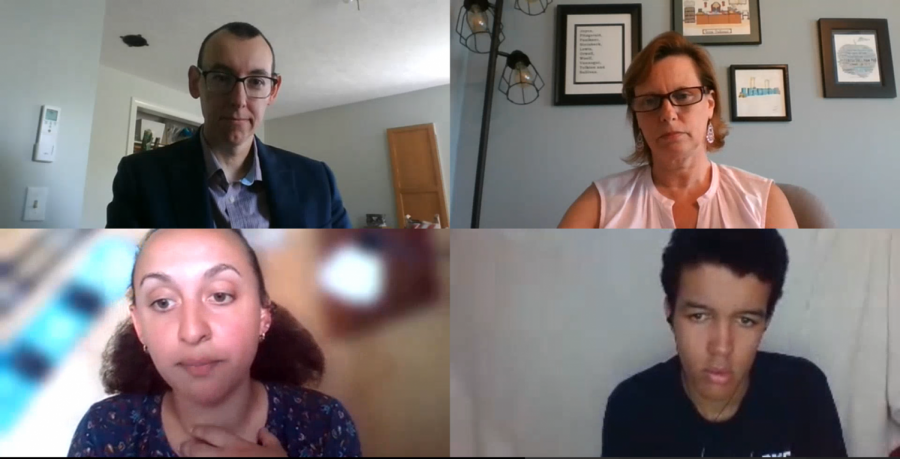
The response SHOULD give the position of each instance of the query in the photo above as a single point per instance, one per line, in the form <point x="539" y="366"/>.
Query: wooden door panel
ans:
<point x="415" y="163"/>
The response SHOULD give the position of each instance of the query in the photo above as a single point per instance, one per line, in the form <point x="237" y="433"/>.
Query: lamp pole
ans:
<point x="486" y="114"/>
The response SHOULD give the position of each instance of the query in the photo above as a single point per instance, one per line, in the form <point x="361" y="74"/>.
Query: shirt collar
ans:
<point x="213" y="165"/>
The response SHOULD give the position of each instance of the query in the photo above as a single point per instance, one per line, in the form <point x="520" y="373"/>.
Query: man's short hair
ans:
<point x="238" y="29"/>
<point x="760" y="252"/>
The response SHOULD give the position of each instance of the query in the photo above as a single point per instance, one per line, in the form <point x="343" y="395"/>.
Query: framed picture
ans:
<point x="760" y="93"/>
<point x="717" y="22"/>
<point x="856" y="58"/>
<point x="595" y="44"/>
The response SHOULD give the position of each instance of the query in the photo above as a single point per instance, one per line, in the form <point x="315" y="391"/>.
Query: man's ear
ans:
<point x="275" y="90"/>
<point x="194" y="79"/>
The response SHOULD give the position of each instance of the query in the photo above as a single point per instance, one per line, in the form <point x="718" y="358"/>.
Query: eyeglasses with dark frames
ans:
<point x="255" y="86"/>
<point x="678" y="98"/>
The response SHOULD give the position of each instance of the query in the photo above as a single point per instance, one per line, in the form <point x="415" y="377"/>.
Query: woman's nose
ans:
<point x="667" y="111"/>
<point x="193" y="327"/>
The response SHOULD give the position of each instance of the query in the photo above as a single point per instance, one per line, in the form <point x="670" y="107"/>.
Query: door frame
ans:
<point x="158" y="110"/>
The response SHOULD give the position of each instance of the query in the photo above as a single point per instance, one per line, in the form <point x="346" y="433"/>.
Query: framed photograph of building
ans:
<point x="718" y="22"/>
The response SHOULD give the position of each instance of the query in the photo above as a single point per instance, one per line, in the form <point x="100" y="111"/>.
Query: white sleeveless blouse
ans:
<point x="735" y="199"/>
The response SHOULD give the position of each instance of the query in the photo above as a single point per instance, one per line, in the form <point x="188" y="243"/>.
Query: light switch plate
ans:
<point x="35" y="204"/>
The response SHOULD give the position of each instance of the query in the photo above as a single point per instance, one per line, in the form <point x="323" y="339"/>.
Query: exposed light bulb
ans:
<point x="476" y="19"/>
<point x="524" y="75"/>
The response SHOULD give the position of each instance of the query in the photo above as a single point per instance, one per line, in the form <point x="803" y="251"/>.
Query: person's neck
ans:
<point x="235" y="413"/>
<point x="689" y="178"/>
<point x="716" y="410"/>
<point x="234" y="159"/>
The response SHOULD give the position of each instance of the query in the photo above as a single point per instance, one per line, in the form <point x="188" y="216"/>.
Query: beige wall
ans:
<point x="394" y="381"/>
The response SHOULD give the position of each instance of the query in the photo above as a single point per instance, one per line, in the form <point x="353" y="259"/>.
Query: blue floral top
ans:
<point x="308" y="424"/>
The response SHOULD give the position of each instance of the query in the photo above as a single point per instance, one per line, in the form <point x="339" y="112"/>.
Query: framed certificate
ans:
<point x="856" y="58"/>
<point x="595" y="44"/>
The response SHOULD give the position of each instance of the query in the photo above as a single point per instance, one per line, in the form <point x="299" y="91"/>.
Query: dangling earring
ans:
<point x="640" y="141"/>
<point x="710" y="133"/>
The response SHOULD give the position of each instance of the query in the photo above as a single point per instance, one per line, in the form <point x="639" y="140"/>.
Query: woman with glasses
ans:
<point x="673" y="103"/>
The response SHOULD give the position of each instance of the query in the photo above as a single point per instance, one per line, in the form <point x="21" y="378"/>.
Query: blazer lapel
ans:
<point x="187" y="187"/>
<point x="281" y="191"/>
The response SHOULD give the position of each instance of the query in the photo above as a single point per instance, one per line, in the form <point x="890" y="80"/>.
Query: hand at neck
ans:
<point x="689" y="178"/>
<point x="235" y="159"/>
<point x="242" y="412"/>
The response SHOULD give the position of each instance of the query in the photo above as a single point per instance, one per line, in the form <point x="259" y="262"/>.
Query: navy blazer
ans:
<point x="167" y="188"/>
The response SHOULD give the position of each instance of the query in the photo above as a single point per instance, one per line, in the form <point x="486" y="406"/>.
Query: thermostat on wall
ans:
<point x="45" y="148"/>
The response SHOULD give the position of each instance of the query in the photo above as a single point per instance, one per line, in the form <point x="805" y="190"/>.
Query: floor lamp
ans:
<point x="480" y="30"/>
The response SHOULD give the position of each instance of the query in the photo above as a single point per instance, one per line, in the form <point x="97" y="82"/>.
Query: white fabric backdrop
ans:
<point x="544" y="324"/>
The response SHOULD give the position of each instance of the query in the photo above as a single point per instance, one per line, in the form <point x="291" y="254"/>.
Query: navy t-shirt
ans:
<point x="306" y="422"/>
<point x="788" y="411"/>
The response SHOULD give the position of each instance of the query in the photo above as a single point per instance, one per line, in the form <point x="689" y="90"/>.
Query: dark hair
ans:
<point x="238" y="29"/>
<point x="288" y="354"/>
<point x="760" y="252"/>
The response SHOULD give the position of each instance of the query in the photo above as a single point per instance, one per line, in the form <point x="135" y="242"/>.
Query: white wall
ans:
<point x="50" y="50"/>
<point x="352" y="140"/>
<point x="546" y="323"/>
<point x="111" y="117"/>
<point x="542" y="157"/>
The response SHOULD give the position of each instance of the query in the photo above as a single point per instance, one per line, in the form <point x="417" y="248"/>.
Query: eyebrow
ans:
<point x="210" y="273"/>
<point x="748" y="312"/>
<point x="262" y="72"/>
<point x="215" y="270"/>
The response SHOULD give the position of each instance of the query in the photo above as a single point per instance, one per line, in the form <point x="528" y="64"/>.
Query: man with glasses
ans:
<point x="224" y="177"/>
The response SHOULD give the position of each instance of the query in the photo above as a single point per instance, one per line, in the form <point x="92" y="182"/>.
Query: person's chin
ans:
<point x="677" y="144"/>
<point x="674" y="150"/>
<point x="205" y="392"/>
<point x="237" y="133"/>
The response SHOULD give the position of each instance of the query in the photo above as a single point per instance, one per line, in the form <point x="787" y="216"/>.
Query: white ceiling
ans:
<point x="327" y="52"/>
